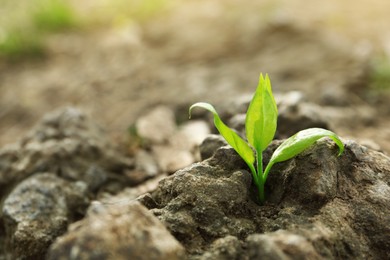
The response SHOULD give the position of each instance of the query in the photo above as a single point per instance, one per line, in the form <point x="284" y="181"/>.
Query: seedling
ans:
<point x="260" y="127"/>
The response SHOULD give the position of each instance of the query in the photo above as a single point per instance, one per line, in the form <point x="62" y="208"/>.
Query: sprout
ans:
<point x="260" y="127"/>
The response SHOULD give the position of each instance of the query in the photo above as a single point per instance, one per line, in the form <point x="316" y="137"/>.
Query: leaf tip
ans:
<point x="261" y="78"/>
<point x="341" y="150"/>
<point x="189" y="111"/>
<point x="339" y="143"/>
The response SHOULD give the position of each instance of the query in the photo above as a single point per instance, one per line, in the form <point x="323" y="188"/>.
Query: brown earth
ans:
<point x="66" y="192"/>
<point x="318" y="205"/>
<point x="206" y="50"/>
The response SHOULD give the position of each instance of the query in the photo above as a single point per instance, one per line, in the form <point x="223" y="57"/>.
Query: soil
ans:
<point x="203" y="50"/>
<point x="121" y="163"/>
<point x="67" y="193"/>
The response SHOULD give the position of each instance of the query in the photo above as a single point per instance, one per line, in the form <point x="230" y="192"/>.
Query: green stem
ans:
<point x="260" y="185"/>
<point x="260" y="164"/>
<point x="267" y="169"/>
<point x="262" y="180"/>
<point x="261" y="192"/>
<point x="254" y="174"/>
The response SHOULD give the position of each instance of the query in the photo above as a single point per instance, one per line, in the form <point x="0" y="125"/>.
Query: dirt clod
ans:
<point x="319" y="205"/>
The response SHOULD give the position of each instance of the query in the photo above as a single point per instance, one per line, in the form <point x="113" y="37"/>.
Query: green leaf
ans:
<point x="298" y="143"/>
<point x="239" y="145"/>
<point x="302" y="140"/>
<point x="261" y="117"/>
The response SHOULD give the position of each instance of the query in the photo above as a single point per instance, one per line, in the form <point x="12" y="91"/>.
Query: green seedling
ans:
<point x="260" y="127"/>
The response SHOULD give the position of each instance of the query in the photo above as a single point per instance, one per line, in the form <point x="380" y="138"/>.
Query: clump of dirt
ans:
<point x="319" y="206"/>
<point x="117" y="232"/>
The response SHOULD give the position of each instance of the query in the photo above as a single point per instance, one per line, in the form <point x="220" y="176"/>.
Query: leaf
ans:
<point x="302" y="140"/>
<point x="239" y="145"/>
<point x="261" y="117"/>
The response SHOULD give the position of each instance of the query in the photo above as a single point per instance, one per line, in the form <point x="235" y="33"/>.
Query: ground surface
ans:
<point x="202" y="50"/>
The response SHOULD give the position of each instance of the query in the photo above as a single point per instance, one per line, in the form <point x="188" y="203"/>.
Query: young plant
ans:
<point x="260" y="127"/>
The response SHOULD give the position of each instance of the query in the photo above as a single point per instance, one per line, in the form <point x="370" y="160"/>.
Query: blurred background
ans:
<point x="116" y="59"/>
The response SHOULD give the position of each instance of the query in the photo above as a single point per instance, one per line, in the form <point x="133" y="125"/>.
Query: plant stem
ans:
<point x="261" y="181"/>
<point x="259" y="165"/>
<point x="254" y="174"/>
<point x="261" y="192"/>
<point x="266" y="171"/>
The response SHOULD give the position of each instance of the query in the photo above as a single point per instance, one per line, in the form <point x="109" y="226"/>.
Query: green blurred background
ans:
<point x="25" y="24"/>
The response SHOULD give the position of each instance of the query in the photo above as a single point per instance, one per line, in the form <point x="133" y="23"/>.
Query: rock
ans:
<point x="290" y="99"/>
<point x="131" y="193"/>
<point x="173" y="147"/>
<point x="38" y="210"/>
<point x="206" y="201"/>
<point x="296" y="117"/>
<point x="318" y="206"/>
<point x="157" y="126"/>
<point x="123" y="231"/>
<point x="296" y="114"/>
<point x="11" y="167"/>
<point x="210" y="145"/>
<point x="145" y="161"/>
<point x="333" y="95"/>
<point x="146" y="167"/>
<point x="238" y="105"/>
<point x="371" y="144"/>
<point x="237" y="122"/>
<point x="67" y="144"/>
<point x="46" y="180"/>
<point x="181" y="149"/>
<point x="280" y="245"/>
<point x="171" y="159"/>
<point x="190" y="135"/>
<point x="350" y="117"/>
<point x="229" y="247"/>
<point x="320" y="174"/>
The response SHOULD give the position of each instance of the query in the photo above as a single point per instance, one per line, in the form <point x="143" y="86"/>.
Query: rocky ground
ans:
<point x="67" y="193"/>
<point x="120" y="172"/>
